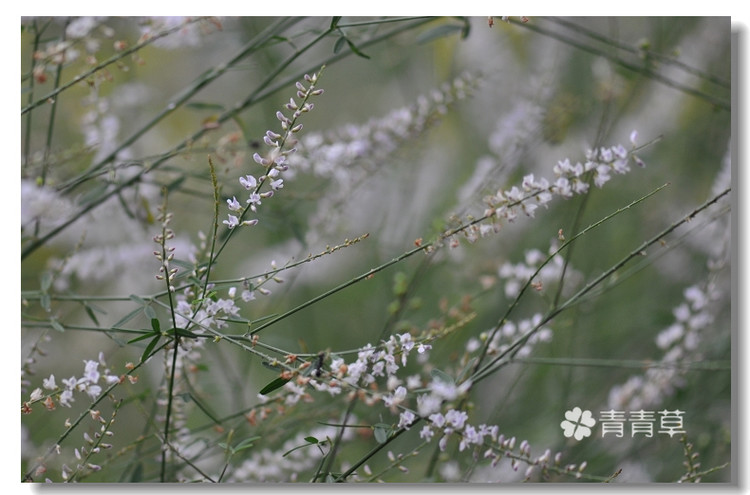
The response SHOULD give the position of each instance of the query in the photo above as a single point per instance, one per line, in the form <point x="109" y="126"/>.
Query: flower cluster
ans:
<point x="506" y="335"/>
<point x="282" y="145"/>
<point x="678" y="341"/>
<point x="93" y="445"/>
<point x="535" y="191"/>
<point x="570" y="179"/>
<point x="350" y="154"/>
<point x="89" y="383"/>
<point x="289" y="460"/>
<point x="486" y="438"/>
<point x="516" y="275"/>
<point x="211" y="314"/>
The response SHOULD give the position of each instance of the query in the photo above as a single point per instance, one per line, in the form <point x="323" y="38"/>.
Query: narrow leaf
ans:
<point x="201" y="105"/>
<point x="145" y="336"/>
<point x="45" y="302"/>
<point x="127" y="317"/>
<point x="149" y="348"/>
<point x="277" y="383"/>
<point x="57" y="326"/>
<point x="137" y="300"/>
<point x="442" y="376"/>
<point x="46" y="281"/>
<point x="184" y="333"/>
<point x="89" y="308"/>
<point x="155" y="325"/>
<point x="149" y="312"/>
<point x="356" y="50"/>
<point x="339" y="44"/>
<point x="439" y="32"/>
<point x="246" y="443"/>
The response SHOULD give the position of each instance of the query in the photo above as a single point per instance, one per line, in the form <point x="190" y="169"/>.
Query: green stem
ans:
<point x="717" y="102"/>
<point x="512" y="350"/>
<point x="115" y="58"/>
<point x="255" y="97"/>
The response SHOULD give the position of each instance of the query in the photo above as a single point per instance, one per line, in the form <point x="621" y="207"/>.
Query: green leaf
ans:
<point x="45" y="302"/>
<point x="439" y="32"/>
<point x="442" y="376"/>
<point x="246" y="443"/>
<point x="137" y="299"/>
<point x="89" y="308"/>
<point x="309" y="440"/>
<point x="127" y="317"/>
<point x="155" y="325"/>
<point x="46" y="281"/>
<point x="183" y="333"/>
<point x="145" y="336"/>
<point x="381" y="432"/>
<point x="467" y="369"/>
<point x="202" y="105"/>
<point x="277" y="383"/>
<point x="149" y="348"/>
<point x="57" y="325"/>
<point x="149" y="312"/>
<point x="339" y="44"/>
<point x="335" y="22"/>
<point x="356" y="50"/>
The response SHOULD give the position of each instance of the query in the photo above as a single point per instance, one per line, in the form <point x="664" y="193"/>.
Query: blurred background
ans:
<point x="420" y="120"/>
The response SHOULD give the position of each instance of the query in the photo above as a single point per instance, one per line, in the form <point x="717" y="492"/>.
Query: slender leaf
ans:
<point x="440" y="32"/>
<point x="149" y="312"/>
<point x="442" y="376"/>
<point x="277" y="383"/>
<point x="127" y="317"/>
<point x="246" y="443"/>
<point x="339" y="44"/>
<point x="201" y="105"/>
<point x="46" y="281"/>
<point x="145" y="336"/>
<point x="149" y="348"/>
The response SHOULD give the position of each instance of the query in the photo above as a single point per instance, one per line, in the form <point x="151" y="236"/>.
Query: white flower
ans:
<point x="426" y="433"/>
<point x="405" y="419"/>
<point x="49" y="383"/>
<point x="36" y="394"/>
<point x="234" y="205"/>
<point x="232" y="221"/>
<point x="248" y="182"/>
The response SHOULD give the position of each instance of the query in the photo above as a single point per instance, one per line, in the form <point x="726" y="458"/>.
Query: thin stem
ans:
<point x="512" y="350"/>
<point x="186" y="95"/>
<point x="258" y="95"/>
<point x="113" y="59"/>
<point x="578" y="28"/>
<point x="717" y="102"/>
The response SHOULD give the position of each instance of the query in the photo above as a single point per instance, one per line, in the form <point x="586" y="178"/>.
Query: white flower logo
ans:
<point x="577" y="423"/>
